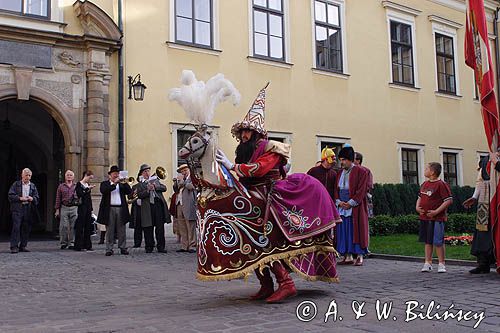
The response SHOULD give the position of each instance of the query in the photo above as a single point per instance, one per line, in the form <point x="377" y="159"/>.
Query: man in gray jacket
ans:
<point x="154" y="209"/>
<point x="186" y="209"/>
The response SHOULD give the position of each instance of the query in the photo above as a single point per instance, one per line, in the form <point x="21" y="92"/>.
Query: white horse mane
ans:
<point x="199" y="99"/>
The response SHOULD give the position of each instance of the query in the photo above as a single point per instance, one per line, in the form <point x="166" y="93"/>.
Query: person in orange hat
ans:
<point x="325" y="172"/>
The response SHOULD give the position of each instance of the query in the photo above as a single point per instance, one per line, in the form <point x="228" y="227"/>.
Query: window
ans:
<point x="193" y="22"/>
<point x="180" y="135"/>
<point x="27" y="7"/>
<point x="409" y="159"/>
<point x="402" y="53"/>
<point x="268" y="29"/>
<point x="450" y="168"/>
<point x="182" y="138"/>
<point x="328" y="35"/>
<point x="445" y="60"/>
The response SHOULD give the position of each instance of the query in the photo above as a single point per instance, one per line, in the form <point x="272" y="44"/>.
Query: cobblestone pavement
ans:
<point x="50" y="290"/>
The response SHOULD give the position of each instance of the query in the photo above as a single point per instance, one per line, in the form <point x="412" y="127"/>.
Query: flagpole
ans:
<point x="497" y="53"/>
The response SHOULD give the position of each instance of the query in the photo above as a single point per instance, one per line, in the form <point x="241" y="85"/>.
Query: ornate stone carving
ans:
<point x="76" y="79"/>
<point x="4" y="79"/>
<point x="68" y="59"/>
<point x="63" y="90"/>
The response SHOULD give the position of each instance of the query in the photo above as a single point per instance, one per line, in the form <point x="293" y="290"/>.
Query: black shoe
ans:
<point x="480" y="270"/>
<point x="14" y="250"/>
<point x="192" y="251"/>
<point x="90" y="250"/>
<point x="109" y="253"/>
<point x="149" y="250"/>
<point x="162" y="251"/>
<point x="71" y="247"/>
<point x="181" y="250"/>
<point x="63" y="247"/>
<point x="77" y="249"/>
<point x="136" y="246"/>
<point x="23" y="249"/>
<point x="100" y="242"/>
<point x="124" y="251"/>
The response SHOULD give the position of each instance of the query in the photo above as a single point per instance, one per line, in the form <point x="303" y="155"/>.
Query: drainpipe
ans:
<point x="497" y="53"/>
<point x="121" y="121"/>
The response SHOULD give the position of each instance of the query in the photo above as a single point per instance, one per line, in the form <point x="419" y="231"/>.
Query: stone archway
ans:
<point x="30" y="136"/>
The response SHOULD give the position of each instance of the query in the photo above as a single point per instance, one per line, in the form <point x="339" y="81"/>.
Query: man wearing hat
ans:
<point x="325" y="172"/>
<point x="113" y="210"/>
<point x="154" y="209"/>
<point x="350" y="196"/>
<point x="135" y="212"/>
<point x="186" y="209"/>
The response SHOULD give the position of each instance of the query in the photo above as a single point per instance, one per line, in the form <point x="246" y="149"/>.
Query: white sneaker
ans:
<point x="427" y="268"/>
<point x="441" y="268"/>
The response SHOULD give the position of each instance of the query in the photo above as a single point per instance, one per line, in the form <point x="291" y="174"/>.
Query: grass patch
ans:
<point x="408" y="245"/>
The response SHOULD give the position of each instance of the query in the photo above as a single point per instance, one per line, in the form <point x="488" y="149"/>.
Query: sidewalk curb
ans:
<point x="451" y="262"/>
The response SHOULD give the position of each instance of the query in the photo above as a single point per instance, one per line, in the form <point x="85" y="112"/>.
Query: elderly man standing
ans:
<point x="23" y="198"/>
<point x="113" y="210"/>
<point x="186" y="209"/>
<point x="154" y="209"/>
<point x="67" y="210"/>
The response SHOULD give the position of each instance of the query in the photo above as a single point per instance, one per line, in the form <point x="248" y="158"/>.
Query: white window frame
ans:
<point x="405" y="15"/>
<point x="215" y="27"/>
<point x="460" y="166"/>
<point x="449" y="29"/>
<point x="54" y="23"/>
<point x="334" y="139"/>
<point x="343" y="28"/>
<point x="286" y="32"/>
<point x="480" y="153"/>
<point x="420" y="155"/>
<point x="286" y="136"/>
<point x="174" y="127"/>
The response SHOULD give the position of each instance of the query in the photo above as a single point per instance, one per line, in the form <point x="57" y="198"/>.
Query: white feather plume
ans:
<point x="199" y="99"/>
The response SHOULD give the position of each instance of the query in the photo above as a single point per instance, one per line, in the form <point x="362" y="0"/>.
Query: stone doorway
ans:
<point x="30" y="137"/>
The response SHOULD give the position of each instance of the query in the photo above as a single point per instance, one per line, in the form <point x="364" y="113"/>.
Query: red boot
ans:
<point x="286" y="286"/>
<point x="266" y="285"/>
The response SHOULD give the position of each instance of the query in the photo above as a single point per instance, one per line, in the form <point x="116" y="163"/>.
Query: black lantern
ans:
<point x="137" y="86"/>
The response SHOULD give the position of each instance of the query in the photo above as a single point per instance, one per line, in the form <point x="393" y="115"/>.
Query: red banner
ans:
<point x="478" y="57"/>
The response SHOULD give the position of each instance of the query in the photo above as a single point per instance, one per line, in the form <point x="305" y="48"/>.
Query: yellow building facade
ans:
<point x="397" y="123"/>
<point x="387" y="77"/>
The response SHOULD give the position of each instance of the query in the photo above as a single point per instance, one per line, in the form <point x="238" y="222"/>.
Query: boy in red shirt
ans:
<point x="433" y="201"/>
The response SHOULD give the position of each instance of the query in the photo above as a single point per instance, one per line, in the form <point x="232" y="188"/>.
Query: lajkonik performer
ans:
<point x="272" y="224"/>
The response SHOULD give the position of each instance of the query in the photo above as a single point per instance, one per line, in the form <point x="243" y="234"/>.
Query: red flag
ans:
<point x="478" y="57"/>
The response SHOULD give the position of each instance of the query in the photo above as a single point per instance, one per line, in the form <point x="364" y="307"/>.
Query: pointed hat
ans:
<point x="255" y="117"/>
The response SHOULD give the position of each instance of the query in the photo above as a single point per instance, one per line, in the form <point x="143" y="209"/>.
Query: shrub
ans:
<point x="383" y="225"/>
<point x="400" y="199"/>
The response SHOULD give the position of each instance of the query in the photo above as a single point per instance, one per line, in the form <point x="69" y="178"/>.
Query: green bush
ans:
<point x="400" y="199"/>
<point x="383" y="225"/>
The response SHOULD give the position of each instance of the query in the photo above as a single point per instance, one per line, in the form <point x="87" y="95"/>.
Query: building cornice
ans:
<point x="95" y="21"/>
<point x="460" y="4"/>
<point x="442" y="20"/>
<point x="57" y="39"/>
<point x="401" y="8"/>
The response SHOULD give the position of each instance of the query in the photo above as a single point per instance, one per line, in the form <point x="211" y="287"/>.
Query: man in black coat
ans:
<point x="23" y="198"/>
<point x="113" y="210"/>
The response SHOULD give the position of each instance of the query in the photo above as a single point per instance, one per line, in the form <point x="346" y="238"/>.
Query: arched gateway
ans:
<point x="54" y="103"/>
